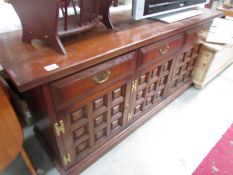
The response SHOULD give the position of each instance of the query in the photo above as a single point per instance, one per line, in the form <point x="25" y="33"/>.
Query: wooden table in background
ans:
<point x="227" y="12"/>
<point x="11" y="134"/>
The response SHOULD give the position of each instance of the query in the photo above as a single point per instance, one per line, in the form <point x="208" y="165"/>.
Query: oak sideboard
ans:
<point x="109" y="83"/>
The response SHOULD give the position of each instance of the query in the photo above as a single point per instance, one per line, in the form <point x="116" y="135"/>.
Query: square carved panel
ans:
<point x="138" y="109"/>
<point x="142" y="79"/>
<point x="96" y="121"/>
<point x="115" y="124"/>
<point x="100" y="120"/>
<point x="155" y="72"/>
<point x="100" y="134"/>
<point x="163" y="81"/>
<point x="78" y="115"/>
<point x="81" y="131"/>
<point x="151" y="87"/>
<point x="116" y="93"/>
<point x="166" y="67"/>
<point x="116" y="109"/>
<point x="183" y="70"/>
<point x="117" y="117"/>
<point x="82" y="147"/>
<point x="149" y="101"/>
<point x="140" y="94"/>
<point x="98" y="103"/>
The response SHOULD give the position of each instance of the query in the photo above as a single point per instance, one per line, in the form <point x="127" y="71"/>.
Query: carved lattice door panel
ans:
<point x="93" y="120"/>
<point x="183" y="68"/>
<point x="150" y="87"/>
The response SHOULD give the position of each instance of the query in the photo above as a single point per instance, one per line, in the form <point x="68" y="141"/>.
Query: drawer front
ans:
<point x="87" y="82"/>
<point x="197" y="34"/>
<point x="152" y="53"/>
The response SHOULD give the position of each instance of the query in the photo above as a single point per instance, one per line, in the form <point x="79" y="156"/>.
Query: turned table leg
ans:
<point x="27" y="162"/>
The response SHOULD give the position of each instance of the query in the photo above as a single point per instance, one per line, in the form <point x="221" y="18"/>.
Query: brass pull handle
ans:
<point x="199" y="34"/>
<point x="164" y="50"/>
<point x="102" y="77"/>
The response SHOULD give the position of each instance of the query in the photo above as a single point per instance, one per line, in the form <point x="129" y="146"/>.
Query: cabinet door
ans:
<point x="94" y="120"/>
<point x="183" y="68"/>
<point x="93" y="105"/>
<point x="154" y="67"/>
<point x="184" y="64"/>
<point x="150" y="87"/>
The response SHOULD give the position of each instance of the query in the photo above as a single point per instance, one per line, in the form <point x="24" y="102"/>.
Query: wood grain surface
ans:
<point x="10" y="131"/>
<point x="25" y="63"/>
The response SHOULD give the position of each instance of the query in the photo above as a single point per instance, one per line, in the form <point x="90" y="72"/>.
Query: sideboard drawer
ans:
<point x="197" y="34"/>
<point x="87" y="82"/>
<point x="164" y="48"/>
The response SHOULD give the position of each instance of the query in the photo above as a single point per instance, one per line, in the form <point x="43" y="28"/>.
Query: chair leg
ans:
<point x="27" y="162"/>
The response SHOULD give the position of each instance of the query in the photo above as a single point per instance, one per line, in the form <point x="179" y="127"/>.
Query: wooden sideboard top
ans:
<point x="24" y="63"/>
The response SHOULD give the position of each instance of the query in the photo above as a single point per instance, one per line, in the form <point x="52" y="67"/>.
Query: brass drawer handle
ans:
<point x="199" y="34"/>
<point x="102" y="77"/>
<point x="164" y="50"/>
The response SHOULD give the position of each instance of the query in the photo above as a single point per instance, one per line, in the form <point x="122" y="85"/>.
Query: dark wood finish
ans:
<point x="94" y="120"/>
<point x="185" y="61"/>
<point x="115" y="83"/>
<point x="210" y="4"/>
<point x="152" y="81"/>
<point x="115" y="3"/>
<point x="85" y="50"/>
<point x="40" y="103"/>
<point x="11" y="134"/>
<point x="104" y="148"/>
<point x="80" y="85"/>
<point x="40" y="19"/>
<point x="159" y="50"/>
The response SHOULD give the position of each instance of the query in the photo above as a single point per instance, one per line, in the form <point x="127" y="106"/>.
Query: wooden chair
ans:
<point x="11" y="134"/>
<point x="42" y="20"/>
<point x="210" y="4"/>
<point x="115" y="3"/>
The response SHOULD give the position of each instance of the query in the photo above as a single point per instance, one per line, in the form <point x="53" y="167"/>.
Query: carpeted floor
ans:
<point x="220" y="159"/>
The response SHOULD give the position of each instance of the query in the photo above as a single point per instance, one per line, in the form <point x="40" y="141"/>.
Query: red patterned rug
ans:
<point x="220" y="159"/>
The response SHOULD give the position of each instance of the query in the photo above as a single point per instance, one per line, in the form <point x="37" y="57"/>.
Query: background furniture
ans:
<point x="226" y="6"/>
<point x="109" y="84"/>
<point x="212" y="60"/>
<point x="41" y="19"/>
<point x="227" y="12"/>
<point x="209" y="4"/>
<point x="11" y="134"/>
<point x="215" y="54"/>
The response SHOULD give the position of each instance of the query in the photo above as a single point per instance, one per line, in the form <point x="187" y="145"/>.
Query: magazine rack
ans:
<point x="54" y="19"/>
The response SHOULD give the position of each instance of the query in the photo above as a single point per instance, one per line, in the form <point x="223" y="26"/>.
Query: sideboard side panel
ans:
<point x="42" y="110"/>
